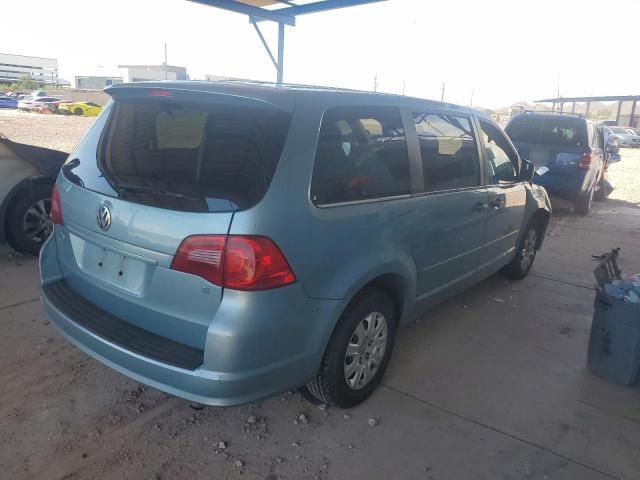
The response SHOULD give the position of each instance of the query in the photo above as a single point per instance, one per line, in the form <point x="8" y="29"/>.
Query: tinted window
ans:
<point x="556" y="131"/>
<point x="524" y="129"/>
<point x="500" y="158"/>
<point x="361" y="154"/>
<point x="449" y="151"/>
<point x="183" y="156"/>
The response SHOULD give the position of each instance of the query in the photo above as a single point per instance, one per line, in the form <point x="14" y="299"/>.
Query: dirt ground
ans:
<point x="490" y="385"/>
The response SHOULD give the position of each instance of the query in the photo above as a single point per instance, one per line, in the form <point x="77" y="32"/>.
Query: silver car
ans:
<point x="27" y="175"/>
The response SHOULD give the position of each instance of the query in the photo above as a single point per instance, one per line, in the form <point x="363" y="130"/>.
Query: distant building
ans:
<point x="217" y="78"/>
<point x="40" y="69"/>
<point x="91" y="82"/>
<point x="141" y="73"/>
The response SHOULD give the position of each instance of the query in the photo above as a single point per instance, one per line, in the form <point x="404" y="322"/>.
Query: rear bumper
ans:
<point x="258" y="344"/>
<point x="565" y="186"/>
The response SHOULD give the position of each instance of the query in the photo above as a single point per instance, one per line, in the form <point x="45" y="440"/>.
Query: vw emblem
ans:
<point x="104" y="217"/>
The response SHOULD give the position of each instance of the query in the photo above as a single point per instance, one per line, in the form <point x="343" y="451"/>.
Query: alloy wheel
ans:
<point x="365" y="350"/>
<point x="528" y="249"/>
<point x="37" y="223"/>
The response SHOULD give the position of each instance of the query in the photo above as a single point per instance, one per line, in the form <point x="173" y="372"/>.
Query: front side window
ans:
<point x="449" y="151"/>
<point x="500" y="158"/>
<point x="361" y="154"/>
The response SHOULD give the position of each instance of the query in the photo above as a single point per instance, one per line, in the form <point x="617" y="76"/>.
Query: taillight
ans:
<point x="238" y="262"/>
<point x="585" y="161"/>
<point x="159" y="92"/>
<point x="56" y="207"/>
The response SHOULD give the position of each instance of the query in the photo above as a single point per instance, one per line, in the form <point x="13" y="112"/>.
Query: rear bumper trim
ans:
<point x="119" y="332"/>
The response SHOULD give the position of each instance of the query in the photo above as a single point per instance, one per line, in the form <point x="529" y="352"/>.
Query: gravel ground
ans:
<point x="52" y="131"/>
<point x="65" y="416"/>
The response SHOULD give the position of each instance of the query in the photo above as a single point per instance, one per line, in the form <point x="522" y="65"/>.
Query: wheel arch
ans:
<point x="392" y="282"/>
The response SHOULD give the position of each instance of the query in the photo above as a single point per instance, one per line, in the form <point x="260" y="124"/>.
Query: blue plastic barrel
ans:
<point x="614" y="345"/>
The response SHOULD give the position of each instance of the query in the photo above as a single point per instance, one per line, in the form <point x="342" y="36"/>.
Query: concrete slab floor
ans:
<point x="477" y="389"/>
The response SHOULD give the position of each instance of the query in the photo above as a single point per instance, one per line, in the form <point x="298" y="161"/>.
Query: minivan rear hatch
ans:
<point x="160" y="165"/>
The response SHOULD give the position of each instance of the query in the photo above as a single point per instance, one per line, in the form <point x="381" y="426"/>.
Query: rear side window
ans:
<point x="184" y="156"/>
<point x="524" y="129"/>
<point x="449" y="151"/>
<point x="361" y="154"/>
<point x="555" y="131"/>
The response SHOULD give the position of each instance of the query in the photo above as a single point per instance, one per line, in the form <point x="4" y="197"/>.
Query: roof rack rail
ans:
<point x="546" y="112"/>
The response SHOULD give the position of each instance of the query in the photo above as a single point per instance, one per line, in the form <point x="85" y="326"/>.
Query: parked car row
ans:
<point x="626" y="137"/>
<point x="40" y="102"/>
<point x="226" y="242"/>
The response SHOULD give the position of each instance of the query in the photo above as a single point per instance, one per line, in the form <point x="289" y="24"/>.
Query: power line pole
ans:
<point x="165" y="60"/>
<point x="375" y="82"/>
<point x="404" y="86"/>
<point x="442" y="93"/>
<point x="471" y="101"/>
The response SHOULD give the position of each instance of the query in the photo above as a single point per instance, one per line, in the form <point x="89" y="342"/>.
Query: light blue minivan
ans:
<point x="227" y="241"/>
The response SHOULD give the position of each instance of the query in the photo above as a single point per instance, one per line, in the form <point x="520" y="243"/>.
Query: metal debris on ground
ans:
<point x="373" y="422"/>
<point x="610" y="280"/>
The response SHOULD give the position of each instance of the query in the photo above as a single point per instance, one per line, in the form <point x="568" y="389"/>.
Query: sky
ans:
<point x="489" y="52"/>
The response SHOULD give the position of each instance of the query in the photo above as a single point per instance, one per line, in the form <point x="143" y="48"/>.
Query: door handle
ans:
<point x="498" y="203"/>
<point x="480" y="207"/>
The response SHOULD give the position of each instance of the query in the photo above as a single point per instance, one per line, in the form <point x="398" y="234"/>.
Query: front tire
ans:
<point x="29" y="221"/>
<point x="358" y="352"/>
<point x="600" y="195"/>
<point x="519" y="267"/>
<point x="78" y="111"/>
<point x="582" y="203"/>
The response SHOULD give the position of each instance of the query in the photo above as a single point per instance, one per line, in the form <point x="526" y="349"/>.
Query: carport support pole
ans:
<point x="588" y="108"/>
<point x="633" y="114"/>
<point x="280" y="52"/>
<point x="573" y="107"/>
<point x="618" y="114"/>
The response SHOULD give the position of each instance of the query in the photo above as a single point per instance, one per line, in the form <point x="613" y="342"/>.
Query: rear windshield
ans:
<point x="556" y="131"/>
<point x="184" y="156"/>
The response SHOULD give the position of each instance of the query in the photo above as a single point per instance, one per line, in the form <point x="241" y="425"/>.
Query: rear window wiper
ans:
<point x="153" y="191"/>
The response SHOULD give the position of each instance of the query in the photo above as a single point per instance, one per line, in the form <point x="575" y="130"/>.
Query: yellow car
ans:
<point x="88" y="109"/>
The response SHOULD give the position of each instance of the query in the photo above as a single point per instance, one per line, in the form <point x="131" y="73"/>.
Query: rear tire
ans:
<point x="519" y="267"/>
<point x="29" y="221"/>
<point x="358" y="352"/>
<point x="582" y="203"/>
<point x="78" y="111"/>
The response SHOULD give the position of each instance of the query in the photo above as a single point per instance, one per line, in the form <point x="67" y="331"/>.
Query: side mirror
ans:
<point x="612" y="147"/>
<point x="527" y="170"/>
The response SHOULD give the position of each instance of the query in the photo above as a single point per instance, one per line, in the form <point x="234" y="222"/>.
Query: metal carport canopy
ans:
<point x="286" y="14"/>
<point x="634" y="99"/>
